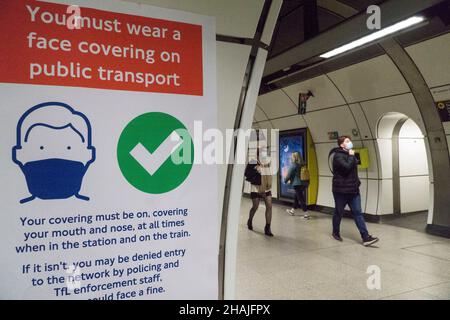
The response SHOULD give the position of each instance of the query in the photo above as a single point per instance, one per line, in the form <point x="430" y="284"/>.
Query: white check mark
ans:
<point x="151" y="162"/>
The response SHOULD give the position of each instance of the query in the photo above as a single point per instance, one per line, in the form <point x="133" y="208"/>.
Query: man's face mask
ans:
<point x="349" y="145"/>
<point x="54" y="178"/>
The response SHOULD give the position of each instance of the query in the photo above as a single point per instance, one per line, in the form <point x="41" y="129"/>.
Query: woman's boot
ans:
<point x="249" y="224"/>
<point x="267" y="231"/>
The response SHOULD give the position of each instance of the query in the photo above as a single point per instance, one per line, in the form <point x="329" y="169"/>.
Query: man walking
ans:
<point x="346" y="190"/>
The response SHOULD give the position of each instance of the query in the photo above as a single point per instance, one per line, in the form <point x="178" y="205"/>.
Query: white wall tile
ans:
<point x="277" y="104"/>
<point x="259" y="114"/>
<point x="385" y="205"/>
<point x="410" y="130"/>
<point x="412" y="157"/>
<point x="363" y="125"/>
<point x="363" y="192"/>
<point x="336" y="119"/>
<point x="385" y="158"/>
<point x="264" y="125"/>
<point x="322" y="151"/>
<point x="231" y="62"/>
<point x="405" y="104"/>
<point x="325" y="93"/>
<point x="433" y="59"/>
<point x="325" y="196"/>
<point x="371" y="79"/>
<point x="414" y="194"/>
<point x="289" y="123"/>
<point x="372" y="199"/>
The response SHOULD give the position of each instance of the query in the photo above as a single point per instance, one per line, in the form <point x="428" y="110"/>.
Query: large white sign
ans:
<point x="100" y="198"/>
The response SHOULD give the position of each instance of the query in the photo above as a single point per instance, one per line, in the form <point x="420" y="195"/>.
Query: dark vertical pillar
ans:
<point x="396" y="196"/>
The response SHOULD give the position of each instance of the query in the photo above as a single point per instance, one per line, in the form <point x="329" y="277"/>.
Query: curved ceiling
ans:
<point x="297" y="16"/>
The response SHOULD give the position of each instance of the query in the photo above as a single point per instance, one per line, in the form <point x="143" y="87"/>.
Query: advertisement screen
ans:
<point x="290" y="141"/>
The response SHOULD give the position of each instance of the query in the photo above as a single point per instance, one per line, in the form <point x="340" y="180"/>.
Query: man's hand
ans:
<point x="351" y="152"/>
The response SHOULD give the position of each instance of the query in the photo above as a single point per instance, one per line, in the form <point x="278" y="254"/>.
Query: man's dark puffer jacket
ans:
<point x="345" y="173"/>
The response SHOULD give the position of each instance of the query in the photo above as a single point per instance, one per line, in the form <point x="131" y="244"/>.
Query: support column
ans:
<point x="440" y="179"/>
<point x="235" y="172"/>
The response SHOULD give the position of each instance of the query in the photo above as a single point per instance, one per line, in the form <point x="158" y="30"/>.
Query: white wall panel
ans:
<point x="433" y="59"/>
<point x="336" y="119"/>
<point x="412" y="152"/>
<point x="363" y="192"/>
<point x="277" y="104"/>
<point x="289" y="123"/>
<point x="412" y="157"/>
<point x="371" y="79"/>
<point x="414" y="193"/>
<point x="265" y="125"/>
<point x="372" y="199"/>
<point x="410" y="130"/>
<point x="405" y="104"/>
<point x="233" y="17"/>
<point x="385" y="158"/>
<point x="325" y="93"/>
<point x="325" y="196"/>
<point x="231" y="63"/>
<point x="259" y="114"/>
<point x="386" y="125"/>
<point x="385" y="205"/>
<point x="363" y="125"/>
<point x="271" y="20"/>
<point x="322" y="151"/>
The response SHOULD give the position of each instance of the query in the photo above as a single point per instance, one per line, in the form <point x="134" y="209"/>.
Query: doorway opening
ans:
<point x="404" y="160"/>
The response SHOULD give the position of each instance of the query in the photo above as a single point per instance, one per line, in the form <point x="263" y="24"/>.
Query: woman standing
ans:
<point x="258" y="173"/>
<point x="294" y="177"/>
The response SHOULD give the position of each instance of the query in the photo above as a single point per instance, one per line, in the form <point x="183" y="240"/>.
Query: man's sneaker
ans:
<point x="306" y="217"/>
<point x="369" y="240"/>
<point x="337" y="237"/>
<point x="290" y="211"/>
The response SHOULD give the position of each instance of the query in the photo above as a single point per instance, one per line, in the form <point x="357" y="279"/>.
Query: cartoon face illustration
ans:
<point x="53" y="150"/>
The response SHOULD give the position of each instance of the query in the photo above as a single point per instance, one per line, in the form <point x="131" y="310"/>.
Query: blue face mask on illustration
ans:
<point x="54" y="178"/>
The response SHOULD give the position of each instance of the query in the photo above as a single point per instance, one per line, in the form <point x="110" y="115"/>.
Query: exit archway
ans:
<point x="404" y="159"/>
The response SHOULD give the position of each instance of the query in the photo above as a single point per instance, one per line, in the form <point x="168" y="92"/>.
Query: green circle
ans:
<point x="151" y="130"/>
